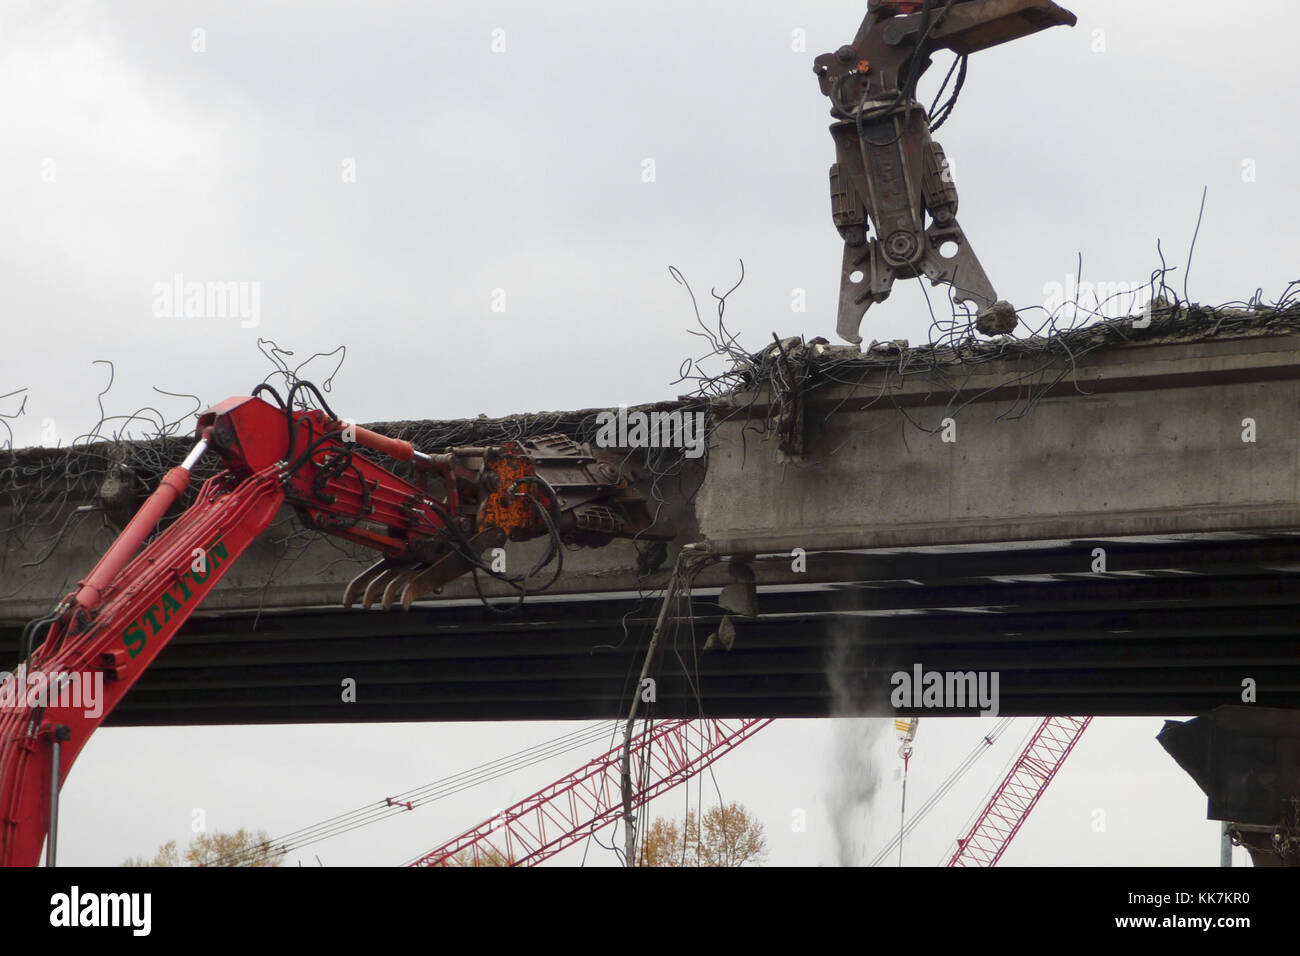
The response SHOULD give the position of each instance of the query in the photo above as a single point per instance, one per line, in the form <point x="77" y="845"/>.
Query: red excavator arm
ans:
<point x="106" y="633"/>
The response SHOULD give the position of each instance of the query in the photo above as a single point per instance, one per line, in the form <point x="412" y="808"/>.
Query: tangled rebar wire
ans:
<point x="45" y="493"/>
<point x="766" y="388"/>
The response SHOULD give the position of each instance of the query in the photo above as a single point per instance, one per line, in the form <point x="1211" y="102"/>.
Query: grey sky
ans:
<point x="130" y="158"/>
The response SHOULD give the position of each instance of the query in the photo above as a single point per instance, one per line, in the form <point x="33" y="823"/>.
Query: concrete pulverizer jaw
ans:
<point x="893" y="200"/>
<point x="542" y="486"/>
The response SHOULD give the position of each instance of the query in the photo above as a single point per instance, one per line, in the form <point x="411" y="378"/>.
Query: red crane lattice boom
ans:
<point x="1019" y="791"/>
<point x="590" y="799"/>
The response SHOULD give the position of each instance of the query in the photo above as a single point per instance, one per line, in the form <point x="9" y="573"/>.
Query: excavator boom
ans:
<point x="79" y="661"/>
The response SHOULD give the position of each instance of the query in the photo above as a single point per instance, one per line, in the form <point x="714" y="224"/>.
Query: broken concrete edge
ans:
<point x="75" y="473"/>
<point x="1166" y="324"/>
<point x="1103" y="357"/>
<point x="478" y="430"/>
<point x="1169" y="324"/>
<point x="80" y="469"/>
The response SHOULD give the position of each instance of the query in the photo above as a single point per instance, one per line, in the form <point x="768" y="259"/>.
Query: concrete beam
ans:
<point x="971" y="553"/>
<point x="1134" y="440"/>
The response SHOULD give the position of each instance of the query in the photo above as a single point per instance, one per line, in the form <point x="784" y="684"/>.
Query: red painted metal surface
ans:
<point x="1019" y="791"/>
<point x="108" y="632"/>
<point x="559" y="815"/>
<point x="143" y="606"/>
<point x="139" y="595"/>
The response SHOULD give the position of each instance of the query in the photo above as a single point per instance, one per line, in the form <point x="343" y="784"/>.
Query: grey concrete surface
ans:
<point x="1135" y="439"/>
<point x="1142" y="439"/>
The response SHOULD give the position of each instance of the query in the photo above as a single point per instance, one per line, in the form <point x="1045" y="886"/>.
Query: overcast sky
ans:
<point x="382" y="177"/>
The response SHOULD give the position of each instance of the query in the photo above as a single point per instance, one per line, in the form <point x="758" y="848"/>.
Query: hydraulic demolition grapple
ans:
<point x="889" y="177"/>
<point x="430" y="529"/>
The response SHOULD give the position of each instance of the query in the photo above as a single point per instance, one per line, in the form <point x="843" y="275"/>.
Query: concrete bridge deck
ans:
<point x="966" y="554"/>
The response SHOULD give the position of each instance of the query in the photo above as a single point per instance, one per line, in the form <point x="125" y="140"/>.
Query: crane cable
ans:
<point x="986" y="742"/>
<point x="988" y="794"/>
<point x="906" y="728"/>
<point x="902" y="815"/>
<point x="419" y="796"/>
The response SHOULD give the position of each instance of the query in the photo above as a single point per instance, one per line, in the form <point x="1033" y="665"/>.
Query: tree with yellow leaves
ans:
<point x="729" y="836"/>
<point x="243" y="848"/>
<point x="485" y="858"/>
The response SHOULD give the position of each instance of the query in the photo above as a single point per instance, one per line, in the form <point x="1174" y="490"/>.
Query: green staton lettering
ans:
<point x="170" y="606"/>
<point x="172" y="602"/>
<point x="133" y="639"/>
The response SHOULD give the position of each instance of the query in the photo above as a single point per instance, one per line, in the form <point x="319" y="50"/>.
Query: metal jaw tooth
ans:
<point x="357" y="586"/>
<point x="398" y="582"/>
<point x="371" y="584"/>
<point x="375" y="589"/>
<point x="447" y="568"/>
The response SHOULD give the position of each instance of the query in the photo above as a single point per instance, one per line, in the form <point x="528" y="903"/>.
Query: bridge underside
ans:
<point x="1173" y="627"/>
